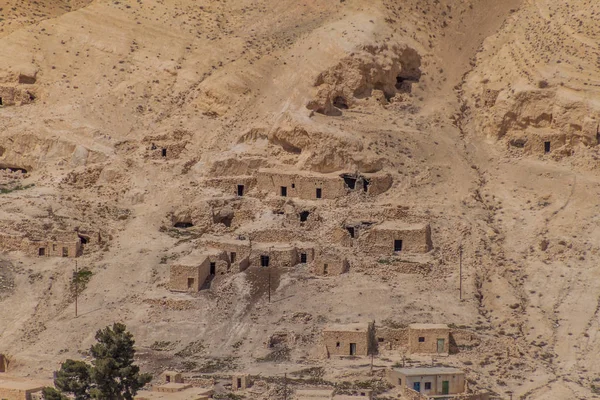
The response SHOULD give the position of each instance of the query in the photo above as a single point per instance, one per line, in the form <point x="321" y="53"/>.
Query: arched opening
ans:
<point x="83" y="239"/>
<point x="183" y="224"/>
<point x="340" y="103"/>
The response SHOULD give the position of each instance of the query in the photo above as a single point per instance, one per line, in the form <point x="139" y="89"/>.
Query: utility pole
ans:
<point x="76" y="286"/>
<point x="285" y="386"/>
<point x="460" y="251"/>
<point x="269" y="285"/>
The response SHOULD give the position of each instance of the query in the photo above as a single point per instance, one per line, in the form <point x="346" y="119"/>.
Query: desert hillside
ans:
<point x="146" y="135"/>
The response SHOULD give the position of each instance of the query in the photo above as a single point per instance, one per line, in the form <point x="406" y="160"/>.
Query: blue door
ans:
<point x="417" y="386"/>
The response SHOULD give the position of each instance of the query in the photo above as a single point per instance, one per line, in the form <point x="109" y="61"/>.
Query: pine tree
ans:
<point x="111" y="376"/>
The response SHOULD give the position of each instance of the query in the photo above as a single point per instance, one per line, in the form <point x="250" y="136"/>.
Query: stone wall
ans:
<point x="229" y="184"/>
<point x="280" y="256"/>
<point x="337" y="339"/>
<point x="14" y="96"/>
<point x="330" y="265"/>
<point x="301" y="184"/>
<point x="430" y="336"/>
<point x="391" y="338"/>
<point x="54" y="249"/>
<point x="8" y="393"/>
<point x="181" y="273"/>
<point x="380" y="240"/>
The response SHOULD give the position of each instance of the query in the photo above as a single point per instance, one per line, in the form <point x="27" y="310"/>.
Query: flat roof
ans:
<point x="401" y="225"/>
<point x="21" y="385"/>
<point x="428" y="326"/>
<point x="356" y="327"/>
<point x="188" y="394"/>
<point x="196" y="257"/>
<point x="327" y="393"/>
<point x="429" y="371"/>
<point x="224" y="240"/>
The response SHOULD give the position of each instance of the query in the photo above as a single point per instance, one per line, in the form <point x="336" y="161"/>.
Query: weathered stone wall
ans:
<point x="277" y="235"/>
<point x="379" y="240"/>
<point x="54" y="249"/>
<point x="429" y="346"/>
<point x="229" y="184"/>
<point x="330" y="265"/>
<point x="301" y="185"/>
<point x="241" y="248"/>
<point x="379" y="183"/>
<point x="181" y="273"/>
<point x="17" y="394"/>
<point x="279" y="256"/>
<point x="337" y="341"/>
<point x="391" y="338"/>
<point x="14" y="96"/>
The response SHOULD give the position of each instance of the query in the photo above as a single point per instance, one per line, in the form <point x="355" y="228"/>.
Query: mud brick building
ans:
<point x="428" y="339"/>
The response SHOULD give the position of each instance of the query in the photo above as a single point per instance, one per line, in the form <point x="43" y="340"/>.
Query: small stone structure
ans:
<point x="3" y="363"/>
<point x="51" y="248"/>
<point x="540" y="142"/>
<point x="240" y="382"/>
<point x="190" y="273"/>
<point x="428" y="339"/>
<point x="237" y="251"/>
<point x="172" y="377"/>
<point x="349" y="340"/>
<point x="362" y="394"/>
<point x="277" y="255"/>
<point x="14" y="96"/>
<point x="20" y="390"/>
<point x="314" y="186"/>
<point x="428" y="381"/>
<point x="330" y="264"/>
<point x="392" y="237"/>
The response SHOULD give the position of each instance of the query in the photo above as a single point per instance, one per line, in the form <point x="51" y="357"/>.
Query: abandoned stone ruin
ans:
<point x="21" y="91"/>
<point x="173" y="387"/>
<point x="60" y="244"/>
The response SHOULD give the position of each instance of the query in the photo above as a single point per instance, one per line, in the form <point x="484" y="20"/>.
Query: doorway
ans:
<point x="284" y="191"/>
<point x="164" y="152"/>
<point x="440" y="345"/>
<point x="240" y="190"/>
<point x="213" y="268"/>
<point x="445" y="387"/>
<point x="65" y="252"/>
<point x="397" y="245"/>
<point x="42" y="251"/>
<point x="190" y="284"/>
<point x="417" y="386"/>
<point x="319" y="193"/>
<point x="352" y="349"/>
<point x="303" y="258"/>
<point x="546" y="147"/>
<point x="239" y="383"/>
<point x="264" y="261"/>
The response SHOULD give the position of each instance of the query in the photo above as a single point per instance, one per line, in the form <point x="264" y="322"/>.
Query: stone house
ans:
<point x="20" y="390"/>
<point x="362" y="394"/>
<point x="172" y="377"/>
<point x="428" y="339"/>
<point x="278" y="255"/>
<point x="240" y="382"/>
<point x="330" y="264"/>
<point x="232" y="185"/>
<point x="428" y="381"/>
<point x="60" y="245"/>
<point x="393" y="237"/>
<point x="349" y="340"/>
<point x="540" y="142"/>
<point x="237" y="251"/>
<point x="14" y="96"/>
<point x="314" y="186"/>
<point x="190" y="273"/>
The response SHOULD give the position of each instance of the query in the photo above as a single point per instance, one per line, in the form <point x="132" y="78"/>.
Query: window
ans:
<point x="427" y="385"/>
<point x="293" y="186"/>
<point x="399" y="381"/>
<point x="190" y="283"/>
<point x="284" y="191"/>
<point x="397" y="245"/>
<point x="303" y="258"/>
<point x="213" y="268"/>
<point x="421" y="339"/>
<point x="42" y="251"/>
<point x="164" y="152"/>
<point x="65" y="252"/>
<point x="53" y="247"/>
<point x="319" y="193"/>
<point x="325" y="269"/>
<point x="380" y="340"/>
<point x="337" y="344"/>
<point x="264" y="261"/>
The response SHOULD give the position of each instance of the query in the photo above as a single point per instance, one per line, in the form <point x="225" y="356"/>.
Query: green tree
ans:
<point x="111" y="376"/>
